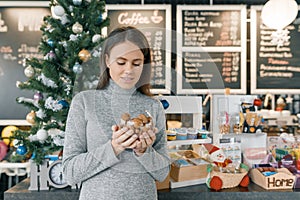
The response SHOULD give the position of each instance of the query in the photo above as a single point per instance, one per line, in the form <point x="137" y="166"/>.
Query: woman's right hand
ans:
<point x="122" y="138"/>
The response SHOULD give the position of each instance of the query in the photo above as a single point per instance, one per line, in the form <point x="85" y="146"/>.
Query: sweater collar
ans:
<point x="116" y="89"/>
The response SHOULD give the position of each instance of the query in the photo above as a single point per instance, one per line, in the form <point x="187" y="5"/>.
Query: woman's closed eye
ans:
<point x="121" y="63"/>
<point x="137" y="64"/>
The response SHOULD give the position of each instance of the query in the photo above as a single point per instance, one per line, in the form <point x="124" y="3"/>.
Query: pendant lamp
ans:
<point x="277" y="14"/>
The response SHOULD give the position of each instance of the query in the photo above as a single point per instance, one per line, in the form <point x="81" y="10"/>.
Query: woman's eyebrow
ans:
<point x="137" y="59"/>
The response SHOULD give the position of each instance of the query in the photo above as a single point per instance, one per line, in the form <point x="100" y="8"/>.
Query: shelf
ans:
<point x="188" y="142"/>
<point x="14" y="122"/>
<point x="241" y="134"/>
<point x="175" y="184"/>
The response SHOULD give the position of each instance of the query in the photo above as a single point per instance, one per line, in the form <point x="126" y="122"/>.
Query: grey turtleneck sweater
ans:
<point x="89" y="158"/>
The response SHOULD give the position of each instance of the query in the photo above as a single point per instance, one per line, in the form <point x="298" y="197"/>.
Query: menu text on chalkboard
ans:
<point x="211" y="28"/>
<point x="274" y="66"/>
<point x="211" y="50"/>
<point x="20" y="37"/>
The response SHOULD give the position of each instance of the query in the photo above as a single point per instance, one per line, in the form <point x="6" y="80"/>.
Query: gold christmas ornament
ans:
<point x="84" y="55"/>
<point x="77" y="28"/>
<point x="30" y="117"/>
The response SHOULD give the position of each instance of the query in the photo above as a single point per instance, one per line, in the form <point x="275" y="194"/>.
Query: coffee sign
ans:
<point x="155" y="22"/>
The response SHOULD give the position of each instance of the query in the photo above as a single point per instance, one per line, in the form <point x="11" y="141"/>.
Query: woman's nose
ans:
<point x="128" y="67"/>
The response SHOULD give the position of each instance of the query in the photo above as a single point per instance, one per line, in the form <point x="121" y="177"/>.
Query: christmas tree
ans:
<point x="69" y="43"/>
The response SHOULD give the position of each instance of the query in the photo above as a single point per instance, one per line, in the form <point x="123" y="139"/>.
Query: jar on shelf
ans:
<point x="224" y="126"/>
<point x="202" y="133"/>
<point x="235" y="123"/>
<point x="181" y="133"/>
<point x="192" y="133"/>
<point x="171" y="134"/>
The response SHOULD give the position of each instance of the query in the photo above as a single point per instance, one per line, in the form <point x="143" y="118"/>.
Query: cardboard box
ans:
<point x="188" y="172"/>
<point x="163" y="185"/>
<point x="284" y="179"/>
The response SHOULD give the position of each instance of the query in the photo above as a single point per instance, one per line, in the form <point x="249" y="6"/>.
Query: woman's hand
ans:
<point x="122" y="139"/>
<point x="146" y="139"/>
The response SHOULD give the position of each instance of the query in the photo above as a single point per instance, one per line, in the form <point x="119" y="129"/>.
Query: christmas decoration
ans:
<point x="217" y="155"/>
<point x="84" y="55"/>
<point x="77" y="28"/>
<point x="96" y="38"/>
<point x="21" y="150"/>
<point x="15" y="143"/>
<point x="77" y="68"/>
<point x="64" y="19"/>
<point x="18" y="84"/>
<point x="50" y="56"/>
<point x="165" y="103"/>
<point x="40" y="114"/>
<point x="50" y="43"/>
<point x="64" y="103"/>
<point x="42" y="135"/>
<point x="67" y="43"/>
<point x="280" y="37"/>
<point x="52" y="104"/>
<point x="30" y="117"/>
<point x="58" y="10"/>
<point x="38" y="96"/>
<point x="3" y="150"/>
<point x="7" y="133"/>
<point x="289" y="99"/>
<point x="46" y="81"/>
<point x="99" y="19"/>
<point x="77" y="2"/>
<point x="257" y="102"/>
<point x="29" y="71"/>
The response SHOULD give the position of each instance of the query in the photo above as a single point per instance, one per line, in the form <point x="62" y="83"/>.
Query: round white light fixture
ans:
<point x="278" y="14"/>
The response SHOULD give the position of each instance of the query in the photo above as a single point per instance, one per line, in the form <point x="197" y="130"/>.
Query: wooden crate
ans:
<point x="284" y="179"/>
<point x="163" y="185"/>
<point x="188" y="172"/>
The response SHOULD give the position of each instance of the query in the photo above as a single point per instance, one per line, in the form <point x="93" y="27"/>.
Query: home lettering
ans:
<point x="272" y="182"/>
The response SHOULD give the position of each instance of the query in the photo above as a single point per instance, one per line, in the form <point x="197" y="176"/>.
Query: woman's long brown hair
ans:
<point x="135" y="36"/>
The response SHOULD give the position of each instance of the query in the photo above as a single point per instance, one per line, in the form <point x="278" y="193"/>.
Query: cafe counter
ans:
<point x="253" y="191"/>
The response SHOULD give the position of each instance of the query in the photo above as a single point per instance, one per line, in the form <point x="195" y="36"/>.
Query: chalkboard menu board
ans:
<point x="274" y="68"/>
<point x="211" y="49"/>
<point x="20" y="36"/>
<point x="155" y="22"/>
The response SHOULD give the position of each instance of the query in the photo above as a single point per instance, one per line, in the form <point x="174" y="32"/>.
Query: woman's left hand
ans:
<point x="146" y="139"/>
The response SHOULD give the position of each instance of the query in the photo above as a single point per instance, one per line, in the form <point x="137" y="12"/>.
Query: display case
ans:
<point x="186" y="105"/>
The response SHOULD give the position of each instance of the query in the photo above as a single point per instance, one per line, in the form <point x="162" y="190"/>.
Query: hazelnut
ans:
<point x="143" y="118"/>
<point x="125" y="117"/>
<point x="137" y="122"/>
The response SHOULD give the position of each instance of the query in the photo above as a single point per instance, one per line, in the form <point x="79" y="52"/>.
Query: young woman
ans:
<point x="112" y="162"/>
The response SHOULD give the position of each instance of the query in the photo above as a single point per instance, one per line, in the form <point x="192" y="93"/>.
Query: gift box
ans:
<point x="283" y="179"/>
